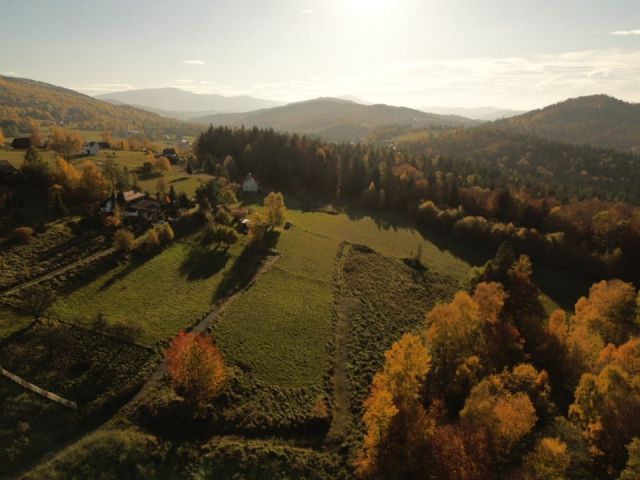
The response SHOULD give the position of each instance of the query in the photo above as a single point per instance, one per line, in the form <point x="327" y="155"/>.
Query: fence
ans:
<point x="40" y="391"/>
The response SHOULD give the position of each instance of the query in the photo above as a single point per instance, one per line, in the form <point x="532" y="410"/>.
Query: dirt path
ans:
<point x="54" y="273"/>
<point x="341" y="392"/>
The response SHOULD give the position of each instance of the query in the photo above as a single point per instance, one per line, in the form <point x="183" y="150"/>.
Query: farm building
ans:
<point x="171" y="155"/>
<point x="21" y="143"/>
<point x="132" y="196"/>
<point x="250" y="184"/>
<point x="92" y="148"/>
<point x="124" y="198"/>
<point x="145" y="209"/>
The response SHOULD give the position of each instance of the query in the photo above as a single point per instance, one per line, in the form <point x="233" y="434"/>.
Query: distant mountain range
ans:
<point x="596" y="120"/>
<point x="477" y="113"/>
<point x="176" y="102"/>
<point x="335" y="118"/>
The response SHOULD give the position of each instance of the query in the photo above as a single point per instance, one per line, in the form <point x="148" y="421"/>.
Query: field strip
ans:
<point x="54" y="273"/>
<point x="40" y="391"/>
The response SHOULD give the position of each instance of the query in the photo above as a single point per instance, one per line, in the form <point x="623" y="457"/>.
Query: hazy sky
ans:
<point x="508" y="53"/>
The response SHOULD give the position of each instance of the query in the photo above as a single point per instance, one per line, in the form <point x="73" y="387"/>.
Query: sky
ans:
<point x="505" y="53"/>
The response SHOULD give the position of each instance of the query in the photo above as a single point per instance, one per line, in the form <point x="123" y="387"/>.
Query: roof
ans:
<point x="146" y="204"/>
<point x="132" y="196"/>
<point x="7" y="167"/>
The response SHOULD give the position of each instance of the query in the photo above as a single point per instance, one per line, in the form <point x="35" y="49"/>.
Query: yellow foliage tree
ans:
<point x="275" y="209"/>
<point x="397" y="426"/>
<point x="93" y="182"/>
<point x="549" y="460"/>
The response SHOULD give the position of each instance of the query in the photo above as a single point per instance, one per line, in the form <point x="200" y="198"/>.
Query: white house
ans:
<point x="92" y="148"/>
<point x="250" y="185"/>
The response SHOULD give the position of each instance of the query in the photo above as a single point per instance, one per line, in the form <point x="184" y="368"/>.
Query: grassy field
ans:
<point x="12" y="321"/>
<point x="280" y="327"/>
<point x="160" y="295"/>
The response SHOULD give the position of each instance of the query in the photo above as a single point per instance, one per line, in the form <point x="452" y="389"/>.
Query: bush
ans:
<point x="23" y="234"/>
<point x="165" y="233"/>
<point x="124" y="241"/>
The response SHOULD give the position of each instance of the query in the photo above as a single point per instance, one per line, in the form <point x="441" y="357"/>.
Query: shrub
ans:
<point x="124" y="241"/>
<point x="165" y="233"/>
<point x="23" y="234"/>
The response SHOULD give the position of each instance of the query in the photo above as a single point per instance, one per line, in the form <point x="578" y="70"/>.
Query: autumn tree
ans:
<point x="469" y="338"/>
<point x="610" y="310"/>
<point x="397" y="427"/>
<point x="508" y="405"/>
<point x="2" y="140"/>
<point x="258" y="227"/>
<point x="36" y="136"/>
<point x="93" y="183"/>
<point x="162" y="164"/>
<point x="632" y="468"/>
<point x="603" y="402"/>
<point x="196" y="367"/>
<point x="549" y="460"/>
<point x="65" y="143"/>
<point x="275" y="209"/>
<point x="67" y="175"/>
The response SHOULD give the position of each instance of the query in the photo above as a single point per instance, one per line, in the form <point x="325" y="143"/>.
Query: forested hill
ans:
<point x="523" y="158"/>
<point x="23" y="101"/>
<point x="334" y="118"/>
<point x="596" y="120"/>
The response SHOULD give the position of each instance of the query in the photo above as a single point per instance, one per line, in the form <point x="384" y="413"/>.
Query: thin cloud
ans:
<point x="193" y="62"/>
<point x="307" y="11"/>
<point x="625" y="32"/>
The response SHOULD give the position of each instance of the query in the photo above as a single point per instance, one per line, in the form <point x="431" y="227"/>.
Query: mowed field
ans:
<point x="159" y="295"/>
<point x="280" y="328"/>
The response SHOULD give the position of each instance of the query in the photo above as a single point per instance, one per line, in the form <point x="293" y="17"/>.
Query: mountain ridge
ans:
<point x="334" y="118"/>
<point x="174" y="99"/>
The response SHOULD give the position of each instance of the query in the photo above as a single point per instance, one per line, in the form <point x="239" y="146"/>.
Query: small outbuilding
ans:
<point x="21" y="143"/>
<point x="92" y="148"/>
<point x="250" y="185"/>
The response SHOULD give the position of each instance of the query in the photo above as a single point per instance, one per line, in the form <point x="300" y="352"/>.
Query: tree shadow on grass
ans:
<point x="132" y="266"/>
<point x="246" y="266"/>
<point x="203" y="261"/>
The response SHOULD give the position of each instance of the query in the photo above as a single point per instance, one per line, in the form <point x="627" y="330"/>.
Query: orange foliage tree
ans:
<point x="196" y="367"/>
